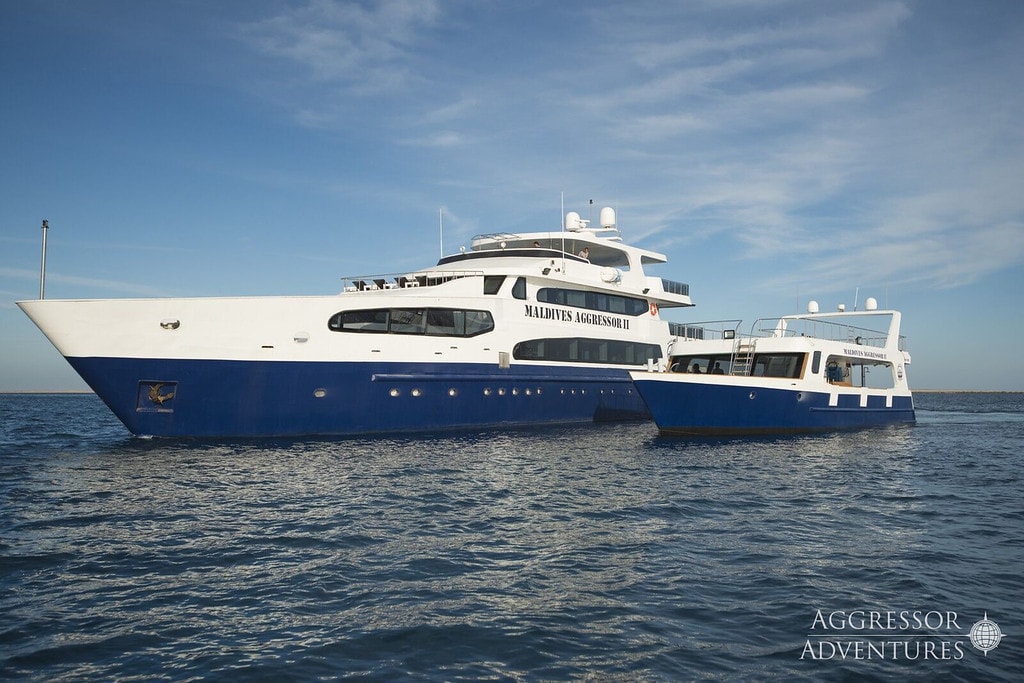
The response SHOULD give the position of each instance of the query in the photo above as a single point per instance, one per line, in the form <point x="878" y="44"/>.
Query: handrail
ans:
<point x="795" y="327"/>
<point x="404" y="280"/>
<point x="706" y="329"/>
<point x="818" y="328"/>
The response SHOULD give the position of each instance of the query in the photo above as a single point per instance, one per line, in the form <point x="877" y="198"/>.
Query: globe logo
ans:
<point x="985" y="635"/>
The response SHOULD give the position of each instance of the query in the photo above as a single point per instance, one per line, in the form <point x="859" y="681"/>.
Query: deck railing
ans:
<point x="707" y="329"/>
<point x="824" y="329"/>
<point x="673" y="287"/>
<point x="795" y="327"/>
<point x="362" y="283"/>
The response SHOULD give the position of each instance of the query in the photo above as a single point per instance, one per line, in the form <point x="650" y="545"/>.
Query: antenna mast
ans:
<point x="561" y="222"/>
<point x="42" y="265"/>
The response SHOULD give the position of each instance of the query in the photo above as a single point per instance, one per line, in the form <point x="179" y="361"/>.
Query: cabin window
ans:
<point x="441" y="322"/>
<point x="787" y="365"/>
<point x="816" y="363"/>
<point x="594" y="301"/>
<point x="360" y="321"/>
<point x="478" y="322"/>
<point x="408" y="321"/>
<point x="493" y="283"/>
<point x="717" y="364"/>
<point x="587" y="350"/>
<point x="519" y="288"/>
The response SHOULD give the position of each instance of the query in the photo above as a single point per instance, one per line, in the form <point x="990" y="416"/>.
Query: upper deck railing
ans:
<point x="795" y="327"/>
<point x="820" y="328"/>
<point x="706" y="329"/>
<point x="674" y="287"/>
<point x="363" y="283"/>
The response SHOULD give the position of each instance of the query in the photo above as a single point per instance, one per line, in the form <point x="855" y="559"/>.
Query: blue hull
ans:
<point x="695" y="408"/>
<point x="207" y="398"/>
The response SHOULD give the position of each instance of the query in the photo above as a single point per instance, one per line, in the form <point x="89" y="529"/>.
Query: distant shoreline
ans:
<point x="41" y="392"/>
<point x="966" y="391"/>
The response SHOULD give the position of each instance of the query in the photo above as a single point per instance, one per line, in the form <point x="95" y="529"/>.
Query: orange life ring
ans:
<point x="654" y="308"/>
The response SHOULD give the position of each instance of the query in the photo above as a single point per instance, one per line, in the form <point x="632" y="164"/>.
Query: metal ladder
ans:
<point x="742" y="357"/>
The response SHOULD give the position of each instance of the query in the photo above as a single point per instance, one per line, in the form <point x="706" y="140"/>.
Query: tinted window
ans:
<point x="444" y="322"/>
<point x="360" y="321"/>
<point x="408" y="321"/>
<point x="595" y="301"/>
<point x="586" y="350"/>
<point x="778" y="365"/>
<point x="492" y="283"/>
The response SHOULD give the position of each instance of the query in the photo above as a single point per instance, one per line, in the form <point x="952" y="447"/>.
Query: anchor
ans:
<point x="156" y="397"/>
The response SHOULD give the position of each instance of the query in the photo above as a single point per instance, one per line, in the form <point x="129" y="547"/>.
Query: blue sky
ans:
<point x="776" y="151"/>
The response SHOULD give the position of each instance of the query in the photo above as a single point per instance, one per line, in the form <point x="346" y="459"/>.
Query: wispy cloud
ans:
<point x="806" y="36"/>
<point x="440" y="138"/>
<point x="117" y="286"/>
<point x="786" y="129"/>
<point x="362" y="47"/>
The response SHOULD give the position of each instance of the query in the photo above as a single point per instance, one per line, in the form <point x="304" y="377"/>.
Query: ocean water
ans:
<point x="598" y="552"/>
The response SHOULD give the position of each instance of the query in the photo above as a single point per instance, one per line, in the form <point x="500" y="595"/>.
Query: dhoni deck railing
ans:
<point x="795" y="326"/>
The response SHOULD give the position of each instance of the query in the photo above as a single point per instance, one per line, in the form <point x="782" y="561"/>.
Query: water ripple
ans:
<point x="594" y="553"/>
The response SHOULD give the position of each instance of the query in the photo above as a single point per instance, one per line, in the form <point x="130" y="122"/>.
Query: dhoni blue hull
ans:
<point x="700" y="408"/>
<point x="209" y="398"/>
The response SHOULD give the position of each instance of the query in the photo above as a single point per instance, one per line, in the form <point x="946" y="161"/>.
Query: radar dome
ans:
<point x="607" y="217"/>
<point x="870" y="304"/>
<point x="812" y="306"/>
<point x="572" y="222"/>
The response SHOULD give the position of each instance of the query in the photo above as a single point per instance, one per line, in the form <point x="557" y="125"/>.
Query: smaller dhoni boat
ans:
<point x="797" y="373"/>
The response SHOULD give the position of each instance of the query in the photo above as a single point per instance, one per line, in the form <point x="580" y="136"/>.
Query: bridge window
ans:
<point x="519" y="288"/>
<point x="493" y="283"/>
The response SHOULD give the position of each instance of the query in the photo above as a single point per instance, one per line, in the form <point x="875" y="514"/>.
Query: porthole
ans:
<point x="416" y="392"/>
<point x="487" y="391"/>
<point x="453" y="391"/>
<point x="394" y="392"/>
<point x="501" y="391"/>
<point x="319" y="393"/>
